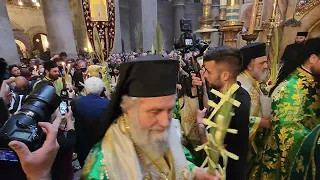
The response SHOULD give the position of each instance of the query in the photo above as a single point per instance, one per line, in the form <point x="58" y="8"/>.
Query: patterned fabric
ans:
<point x="295" y="112"/>
<point x="187" y="117"/>
<point x="106" y="29"/>
<point x="308" y="158"/>
<point x="176" y="114"/>
<point x="94" y="168"/>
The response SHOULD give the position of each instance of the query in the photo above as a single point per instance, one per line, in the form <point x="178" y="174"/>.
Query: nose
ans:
<point x="164" y="119"/>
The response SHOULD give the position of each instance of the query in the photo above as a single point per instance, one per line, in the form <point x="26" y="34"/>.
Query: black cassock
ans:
<point x="291" y="52"/>
<point x="239" y="143"/>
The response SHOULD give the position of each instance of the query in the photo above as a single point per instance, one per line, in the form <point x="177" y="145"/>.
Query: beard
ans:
<point x="154" y="141"/>
<point x="53" y="77"/>
<point x="314" y="71"/>
<point x="263" y="76"/>
<point x="217" y="85"/>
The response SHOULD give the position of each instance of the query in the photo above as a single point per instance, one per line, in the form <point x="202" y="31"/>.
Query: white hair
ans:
<point x="94" y="85"/>
<point x="128" y="102"/>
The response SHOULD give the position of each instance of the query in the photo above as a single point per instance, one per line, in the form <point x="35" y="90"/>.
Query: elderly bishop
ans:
<point x="138" y="137"/>
<point x="254" y="71"/>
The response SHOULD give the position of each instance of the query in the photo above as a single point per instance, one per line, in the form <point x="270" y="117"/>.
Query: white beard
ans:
<point x="263" y="76"/>
<point x="153" y="143"/>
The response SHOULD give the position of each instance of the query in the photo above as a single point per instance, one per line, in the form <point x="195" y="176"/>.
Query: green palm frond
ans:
<point x="106" y="78"/>
<point x="97" y="44"/>
<point x="159" y="41"/>
<point x="138" y="38"/>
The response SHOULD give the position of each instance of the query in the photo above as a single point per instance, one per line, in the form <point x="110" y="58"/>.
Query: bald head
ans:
<point x="22" y="83"/>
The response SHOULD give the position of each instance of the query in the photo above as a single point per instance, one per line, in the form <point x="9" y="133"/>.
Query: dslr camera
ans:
<point x="23" y="126"/>
<point x="187" y="41"/>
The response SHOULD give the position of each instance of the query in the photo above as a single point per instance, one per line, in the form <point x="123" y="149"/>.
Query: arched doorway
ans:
<point x="40" y="43"/>
<point x="315" y="30"/>
<point x="22" y="49"/>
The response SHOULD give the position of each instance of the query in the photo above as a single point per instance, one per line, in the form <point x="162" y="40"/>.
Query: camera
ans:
<point x="23" y="126"/>
<point x="188" y="41"/>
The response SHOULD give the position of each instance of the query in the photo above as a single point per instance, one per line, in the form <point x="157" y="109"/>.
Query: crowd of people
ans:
<point x="150" y="125"/>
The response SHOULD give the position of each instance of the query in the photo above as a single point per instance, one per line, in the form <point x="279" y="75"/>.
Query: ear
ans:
<point x="313" y="58"/>
<point x="47" y="72"/>
<point x="250" y="65"/>
<point x="225" y="76"/>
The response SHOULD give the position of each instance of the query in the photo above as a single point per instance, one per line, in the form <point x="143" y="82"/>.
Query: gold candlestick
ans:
<point x="206" y="21"/>
<point x="252" y="24"/>
<point x="271" y="23"/>
<point x="232" y="26"/>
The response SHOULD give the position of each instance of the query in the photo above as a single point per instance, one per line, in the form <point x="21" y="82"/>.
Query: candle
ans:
<point x="253" y="17"/>
<point x="223" y="3"/>
<point x="64" y="68"/>
<point x="68" y="70"/>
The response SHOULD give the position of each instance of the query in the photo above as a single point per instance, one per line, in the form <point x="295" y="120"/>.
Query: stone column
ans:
<point x="8" y="49"/>
<point x="58" y="22"/>
<point x="117" y="42"/>
<point x="149" y="22"/>
<point x="215" y="8"/>
<point x="143" y="18"/>
<point x="179" y="10"/>
<point x="79" y="25"/>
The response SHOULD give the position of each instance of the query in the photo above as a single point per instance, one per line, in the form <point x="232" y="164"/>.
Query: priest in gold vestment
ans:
<point x="295" y="113"/>
<point x="138" y="137"/>
<point x="254" y="71"/>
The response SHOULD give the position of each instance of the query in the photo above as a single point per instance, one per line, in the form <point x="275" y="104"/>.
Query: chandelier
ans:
<point x="36" y="3"/>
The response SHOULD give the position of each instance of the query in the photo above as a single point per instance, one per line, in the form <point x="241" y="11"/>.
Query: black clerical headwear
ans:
<point x="311" y="46"/>
<point x="149" y="76"/>
<point x="252" y="51"/>
<point x="305" y="34"/>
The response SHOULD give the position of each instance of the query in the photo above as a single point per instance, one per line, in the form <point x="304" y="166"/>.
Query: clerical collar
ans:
<point x="306" y="70"/>
<point x="48" y="79"/>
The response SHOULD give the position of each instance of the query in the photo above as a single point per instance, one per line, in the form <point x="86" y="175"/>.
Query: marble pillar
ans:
<point x="58" y="22"/>
<point x="149" y="23"/>
<point x="79" y="25"/>
<point x="8" y="49"/>
<point x="143" y="21"/>
<point x="215" y="9"/>
<point x="179" y="10"/>
<point x="117" y="47"/>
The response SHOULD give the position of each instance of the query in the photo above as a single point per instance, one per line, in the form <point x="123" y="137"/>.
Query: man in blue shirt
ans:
<point x="87" y="110"/>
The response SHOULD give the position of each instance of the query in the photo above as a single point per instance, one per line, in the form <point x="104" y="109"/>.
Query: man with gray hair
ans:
<point x="87" y="110"/>
<point x="94" y="85"/>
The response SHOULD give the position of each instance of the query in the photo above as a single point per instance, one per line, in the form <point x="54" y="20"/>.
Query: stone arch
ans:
<point x="23" y="38"/>
<point x="23" y="48"/>
<point x="309" y="19"/>
<point x="36" y="30"/>
<point x="314" y="31"/>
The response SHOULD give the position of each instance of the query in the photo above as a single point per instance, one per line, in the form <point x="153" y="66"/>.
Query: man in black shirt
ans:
<point x="222" y="65"/>
<point x="292" y="50"/>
